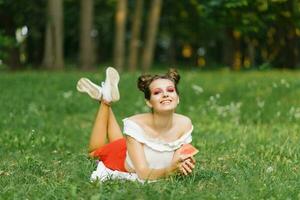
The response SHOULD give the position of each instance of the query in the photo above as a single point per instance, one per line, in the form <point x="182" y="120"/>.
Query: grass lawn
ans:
<point x="247" y="128"/>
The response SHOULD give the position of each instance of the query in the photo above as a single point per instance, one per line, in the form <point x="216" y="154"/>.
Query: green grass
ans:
<point x="247" y="128"/>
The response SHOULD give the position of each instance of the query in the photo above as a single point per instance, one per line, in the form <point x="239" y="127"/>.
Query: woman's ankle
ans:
<point x="104" y="102"/>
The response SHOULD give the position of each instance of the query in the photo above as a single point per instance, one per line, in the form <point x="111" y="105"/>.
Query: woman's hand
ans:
<point x="187" y="166"/>
<point x="182" y="163"/>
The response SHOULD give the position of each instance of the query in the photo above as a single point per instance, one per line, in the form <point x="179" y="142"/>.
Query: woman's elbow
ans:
<point x="143" y="173"/>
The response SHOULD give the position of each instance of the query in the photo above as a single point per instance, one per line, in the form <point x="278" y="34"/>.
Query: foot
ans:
<point x="110" y="90"/>
<point x="87" y="86"/>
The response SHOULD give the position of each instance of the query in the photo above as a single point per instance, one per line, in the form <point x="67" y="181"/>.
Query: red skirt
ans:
<point x="113" y="154"/>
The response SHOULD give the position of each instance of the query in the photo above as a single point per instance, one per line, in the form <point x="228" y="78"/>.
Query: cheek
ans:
<point x="176" y="98"/>
<point x="174" y="95"/>
<point x="154" y="99"/>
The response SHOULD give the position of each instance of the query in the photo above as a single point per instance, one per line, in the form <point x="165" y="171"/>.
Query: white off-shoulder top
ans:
<point x="158" y="153"/>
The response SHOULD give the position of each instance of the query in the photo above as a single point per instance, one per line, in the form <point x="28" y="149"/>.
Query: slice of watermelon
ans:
<point x="188" y="149"/>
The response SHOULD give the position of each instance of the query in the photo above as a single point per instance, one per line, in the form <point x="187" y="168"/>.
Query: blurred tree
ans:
<point x="120" y="31"/>
<point x="152" y="28"/>
<point x="53" y="50"/>
<point x="282" y="36"/>
<point x="8" y="44"/>
<point x="21" y="16"/>
<point x="135" y="35"/>
<point x="240" y="34"/>
<point x="86" y="49"/>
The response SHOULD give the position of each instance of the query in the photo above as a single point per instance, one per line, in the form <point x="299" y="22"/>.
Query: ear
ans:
<point x="149" y="104"/>
<point x="178" y="101"/>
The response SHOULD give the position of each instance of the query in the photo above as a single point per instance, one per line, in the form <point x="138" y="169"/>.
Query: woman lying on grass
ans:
<point x="151" y="140"/>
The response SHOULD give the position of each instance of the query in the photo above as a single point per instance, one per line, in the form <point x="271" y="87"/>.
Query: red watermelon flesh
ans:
<point x="188" y="149"/>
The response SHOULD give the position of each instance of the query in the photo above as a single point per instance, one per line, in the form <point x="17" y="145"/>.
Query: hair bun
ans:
<point x="144" y="81"/>
<point x="173" y="74"/>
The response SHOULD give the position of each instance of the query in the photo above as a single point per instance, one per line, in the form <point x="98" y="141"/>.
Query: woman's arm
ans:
<point x="137" y="156"/>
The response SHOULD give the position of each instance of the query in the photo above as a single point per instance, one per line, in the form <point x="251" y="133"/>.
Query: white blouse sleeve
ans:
<point x="133" y="130"/>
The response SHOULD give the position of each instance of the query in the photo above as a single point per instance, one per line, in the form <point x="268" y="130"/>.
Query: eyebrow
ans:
<point x="158" y="88"/>
<point x="170" y="87"/>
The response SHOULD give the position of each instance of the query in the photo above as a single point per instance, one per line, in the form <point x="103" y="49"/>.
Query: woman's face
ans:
<point x="163" y="95"/>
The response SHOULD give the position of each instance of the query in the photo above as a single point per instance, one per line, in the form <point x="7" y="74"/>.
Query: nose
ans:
<point x="165" y="94"/>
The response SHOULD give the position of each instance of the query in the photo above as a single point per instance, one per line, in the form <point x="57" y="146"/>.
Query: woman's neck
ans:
<point x="162" y="121"/>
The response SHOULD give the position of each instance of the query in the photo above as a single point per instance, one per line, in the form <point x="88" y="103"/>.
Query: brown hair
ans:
<point x="144" y="81"/>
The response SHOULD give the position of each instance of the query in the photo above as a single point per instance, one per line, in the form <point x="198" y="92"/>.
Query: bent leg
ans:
<point x="114" y="130"/>
<point x="99" y="132"/>
<point x="105" y="125"/>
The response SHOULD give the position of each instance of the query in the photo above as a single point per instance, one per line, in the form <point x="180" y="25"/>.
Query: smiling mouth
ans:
<point x="166" y="101"/>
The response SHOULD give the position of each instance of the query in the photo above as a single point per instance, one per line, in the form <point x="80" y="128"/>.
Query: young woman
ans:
<point x="151" y="139"/>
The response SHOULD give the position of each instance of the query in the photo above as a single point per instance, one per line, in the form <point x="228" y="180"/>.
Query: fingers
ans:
<point x="183" y="170"/>
<point x="186" y="164"/>
<point x="193" y="159"/>
<point x="190" y="164"/>
<point x="186" y="167"/>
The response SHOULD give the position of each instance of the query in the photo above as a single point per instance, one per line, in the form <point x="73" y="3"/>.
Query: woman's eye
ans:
<point x="156" y="92"/>
<point x="171" y="90"/>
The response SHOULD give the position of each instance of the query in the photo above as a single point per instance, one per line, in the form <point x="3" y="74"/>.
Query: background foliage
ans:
<point x="240" y="34"/>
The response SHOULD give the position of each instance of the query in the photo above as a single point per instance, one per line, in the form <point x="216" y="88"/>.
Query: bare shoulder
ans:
<point x="183" y="119"/>
<point x="184" y="122"/>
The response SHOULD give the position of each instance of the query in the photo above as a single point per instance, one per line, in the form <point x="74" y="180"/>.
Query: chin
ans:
<point x="168" y="108"/>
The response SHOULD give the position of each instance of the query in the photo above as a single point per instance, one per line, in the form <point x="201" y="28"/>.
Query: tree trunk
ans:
<point x="12" y="52"/>
<point x="291" y="40"/>
<point x="291" y="51"/>
<point x="13" y="60"/>
<point x="227" y="47"/>
<point x="171" y="52"/>
<point x="48" y="49"/>
<point x="152" y="28"/>
<point x="87" y="55"/>
<point x="237" y="57"/>
<point x="53" y="50"/>
<point x="252" y="53"/>
<point x="135" y="37"/>
<point x="119" y="47"/>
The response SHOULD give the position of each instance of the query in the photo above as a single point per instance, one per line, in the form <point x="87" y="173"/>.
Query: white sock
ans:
<point x="106" y="91"/>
